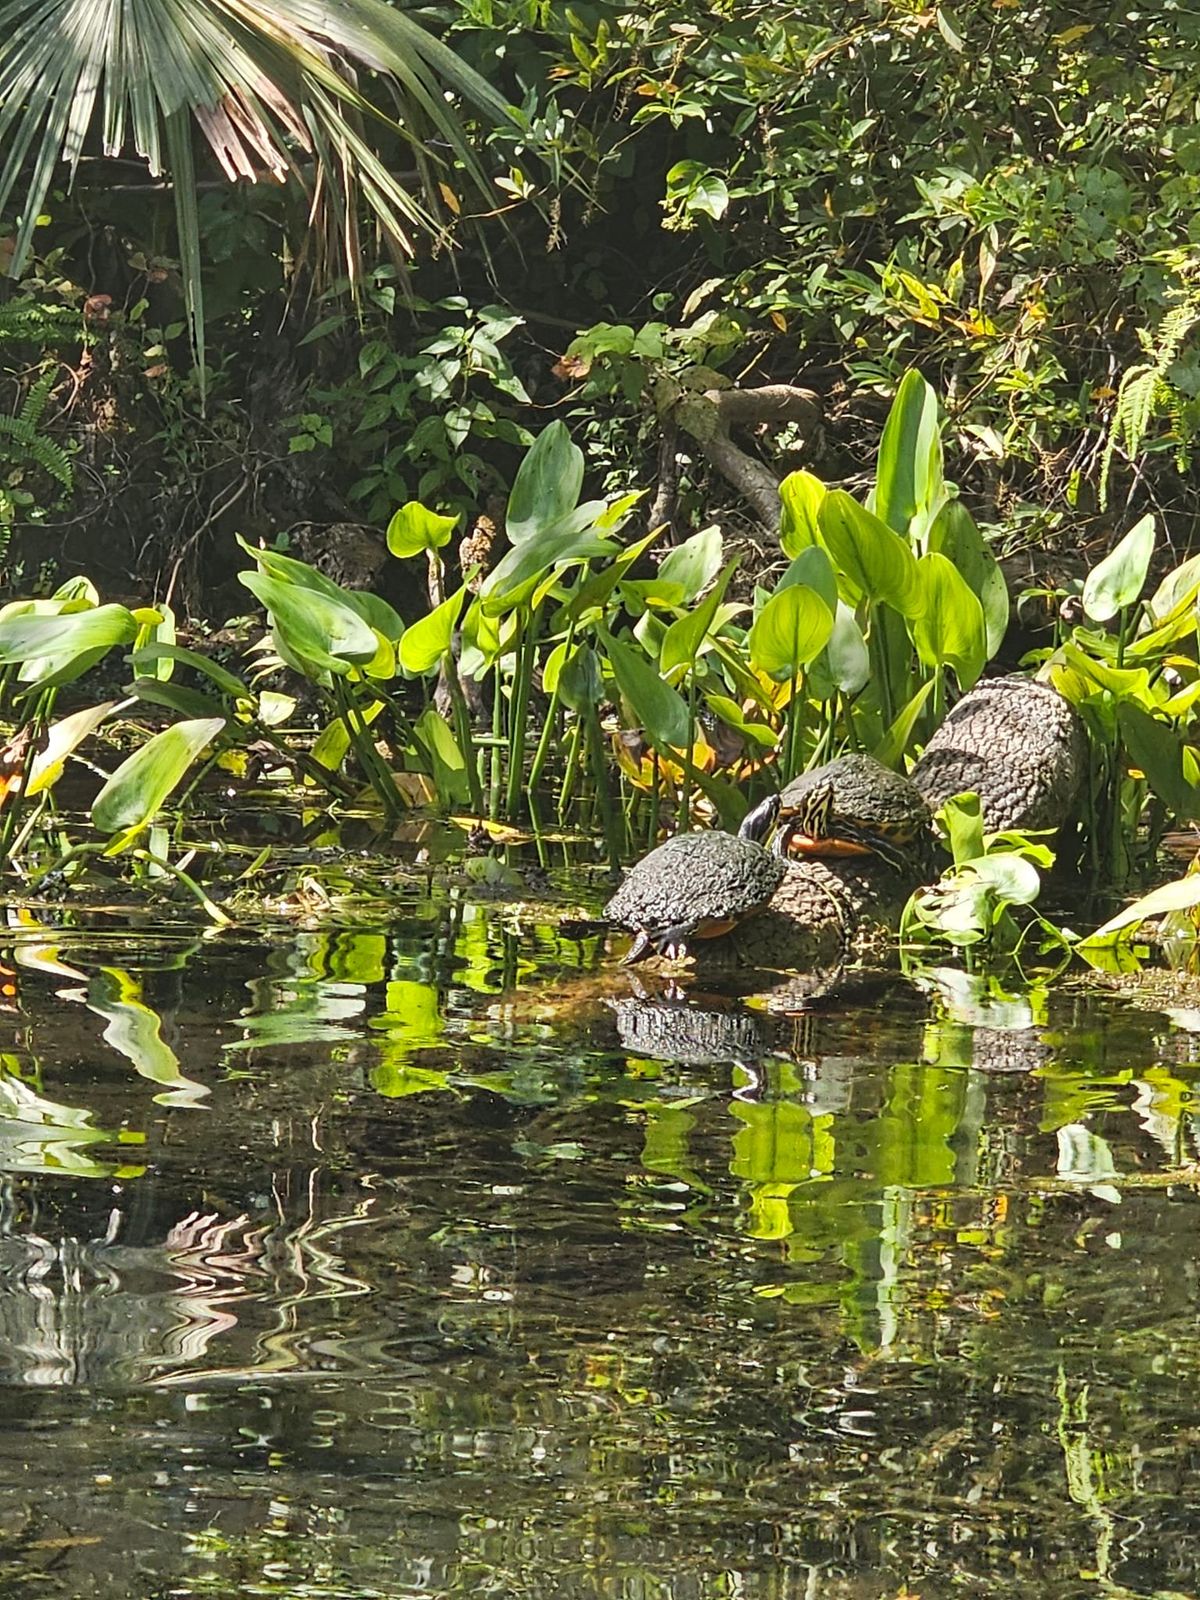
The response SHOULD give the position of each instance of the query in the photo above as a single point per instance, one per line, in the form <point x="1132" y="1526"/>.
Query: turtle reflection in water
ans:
<point x="696" y="886"/>
<point x="854" y="806"/>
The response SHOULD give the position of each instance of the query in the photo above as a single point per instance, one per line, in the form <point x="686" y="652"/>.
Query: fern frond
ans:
<point x="1145" y="389"/>
<point x="52" y="458"/>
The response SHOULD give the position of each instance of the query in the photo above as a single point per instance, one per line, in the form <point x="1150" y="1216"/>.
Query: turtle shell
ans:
<point x="852" y="806"/>
<point x="696" y="885"/>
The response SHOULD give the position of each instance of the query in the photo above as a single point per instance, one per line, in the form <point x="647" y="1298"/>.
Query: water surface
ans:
<point x="425" y="1256"/>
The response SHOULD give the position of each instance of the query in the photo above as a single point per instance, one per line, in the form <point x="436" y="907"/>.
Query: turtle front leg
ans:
<point x="671" y="943"/>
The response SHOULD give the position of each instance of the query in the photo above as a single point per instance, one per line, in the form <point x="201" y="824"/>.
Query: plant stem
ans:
<point x="462" y="727"/>
<point x="519" y="711"/>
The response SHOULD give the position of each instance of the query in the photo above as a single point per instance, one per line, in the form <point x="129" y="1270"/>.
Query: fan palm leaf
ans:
<point x="272" y="86"/>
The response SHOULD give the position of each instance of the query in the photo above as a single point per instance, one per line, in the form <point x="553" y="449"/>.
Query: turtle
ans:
<point x="854" y="806"/>
<point x="695" y="886"/>
<point x="1018" y="745"/>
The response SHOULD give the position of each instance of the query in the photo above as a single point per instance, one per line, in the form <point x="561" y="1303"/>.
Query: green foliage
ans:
<point x="417" y="426"/>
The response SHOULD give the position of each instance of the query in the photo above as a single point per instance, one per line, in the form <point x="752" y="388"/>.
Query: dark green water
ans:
<point x="413" y="1260"/>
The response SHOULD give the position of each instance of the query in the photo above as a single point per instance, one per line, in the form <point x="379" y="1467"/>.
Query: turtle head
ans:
<point x="814" y="813"/>
<point x="757" y="824"/>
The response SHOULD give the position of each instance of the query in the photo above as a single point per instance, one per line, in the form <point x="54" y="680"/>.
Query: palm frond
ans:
<point x="270" y="84"/>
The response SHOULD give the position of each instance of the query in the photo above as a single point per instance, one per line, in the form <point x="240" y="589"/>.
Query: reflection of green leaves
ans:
<point x="135" y="1031"/>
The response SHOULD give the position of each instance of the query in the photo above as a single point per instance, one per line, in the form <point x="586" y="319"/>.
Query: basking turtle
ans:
<point x="1019" y="745"/>
<point x="853" y="806"/>
<point x="695" y="886"/>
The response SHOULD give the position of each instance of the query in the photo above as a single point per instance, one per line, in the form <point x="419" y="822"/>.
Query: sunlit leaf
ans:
<point x="950" y="629"/>
<point x="1118" y="580"/>
<point x="908" y="481"/>
<point x="800" y="496"/>
<point x="414" y="529"/>
<point x="1181" y="894"/>
<point x="694" y="563"/>
<point x="318" y="629"/>
<point x="426" y="643"/>
<point x="790" y="631"/>
<point x="135" y="793"/>
<point x="62" y="738"/>
<point x="547" y="486"/>
<point x="872" y="561"/>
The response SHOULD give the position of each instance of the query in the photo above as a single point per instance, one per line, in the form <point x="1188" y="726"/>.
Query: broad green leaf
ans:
<point x="1009" y="875"/>
<point x="427" y="641"/>
<point x="791" y="630"/>
<point x="135" y="793"/>
<point x="1157" y="750"/>
<point x="950" y="630"/>
<point x="1118" y="580"/>
<point x="685" y="638"/>
<point x="528" y="564"/>
<point x="547" y="486"/>
<point x="225" y="681"/>
<point x="63" y="738"/>
<point x="333" y="741"/>
<point x="415" y="529"/>
<point x="658" y="709"/>
<point x="873" y="562"/>
<point x="449" y="772"/>
<point x="580" y="684"/>
<point x="317" y="628"/>
<point x="52" y="641"/>
<point x="1181" y="894"/>
<point x="156" y="629"/>
<point x="908" y="482"/>
<point x="963" y="819"/>
<point x="956" y="536"/>
<point x="376" y="613"/>
<point x="694" y="563"/>
<point x="594" y="589"/>
<point x="730" y="712"/>
<point x="177" y="697"/>
<point x="800" y="496"/>
<point x="896" y="740"/>
<point x="1178" y="588"/>
<point x="814" y="568"/>
<point x="846" y="658"/>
